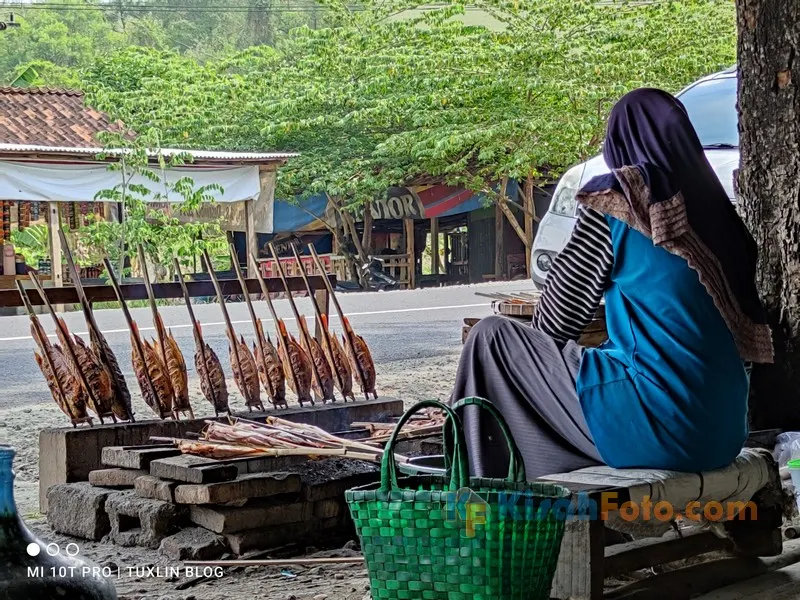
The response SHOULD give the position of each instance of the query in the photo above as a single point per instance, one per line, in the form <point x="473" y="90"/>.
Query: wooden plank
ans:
<point x="258" y="485"/>
<point x="138" y="291"/>
<point x="136" y="457"/>
<point x="193" y="469"/>
<point x="640" y="554"/>
<point x="579" y="573"/>
<point x="695" y="580"/>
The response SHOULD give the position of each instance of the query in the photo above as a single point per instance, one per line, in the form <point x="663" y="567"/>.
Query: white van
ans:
<point x="711" y="104"/>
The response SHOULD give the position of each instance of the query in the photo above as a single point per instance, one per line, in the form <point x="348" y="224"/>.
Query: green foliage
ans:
<point x="392" y="91"/>
<point x="160" y="231"/>
<point x="61" y="39"/>
<point x="32" y="242"/>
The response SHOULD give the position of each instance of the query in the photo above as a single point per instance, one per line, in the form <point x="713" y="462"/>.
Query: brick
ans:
<point x="257" y="485"/>
<point x="143" y="522"/>
<point x="193" y="469"/>
<point x="256" y="515"/>
<point x="79" y="510"/>
<point x="193" y="543"/>
<point x="114" y="478"/>
<point x="154" y="488"/>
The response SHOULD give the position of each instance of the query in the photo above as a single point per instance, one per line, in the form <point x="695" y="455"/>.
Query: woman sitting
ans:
<point x="659" y="239"/>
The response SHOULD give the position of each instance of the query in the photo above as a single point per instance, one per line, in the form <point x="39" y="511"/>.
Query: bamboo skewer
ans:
<point x="161" y="334"/>
<point x="284" y="338"/>
<point x="107" y="358"/>
<point x="42" y="342"/>
<point x="201" y="345"/>
<point x="250" y="402"/>
<point x="347" y="333"/>
<point x="277" y="562"/>
<point x="323" y="327"/>
<point x="257" y="325"/>
<point x="136" y="338"/>
<point x="70" y="350"/>
<point x="301" y="325"/>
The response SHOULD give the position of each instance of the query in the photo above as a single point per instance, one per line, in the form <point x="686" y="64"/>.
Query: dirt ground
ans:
<point x="142" y="574"/>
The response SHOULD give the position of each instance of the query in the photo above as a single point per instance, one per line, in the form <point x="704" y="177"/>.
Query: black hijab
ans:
<point x="682" y="206"/>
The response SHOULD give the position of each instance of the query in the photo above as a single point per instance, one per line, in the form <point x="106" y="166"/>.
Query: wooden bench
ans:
<point x="586" y="561"/>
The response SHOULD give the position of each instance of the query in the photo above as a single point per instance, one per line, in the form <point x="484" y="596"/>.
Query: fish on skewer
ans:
<point x="121" y="402"/>
<point x="361" y="358"/>
<point x="154" y="393"/>
<point x="168" y="350"/>
<point x="319" y="361"/>
<point x="356" y="347"/>
<point x="206" y="361"/>
<point x="245" y="374"/>
<point x="296" y="365"/>
<point x="86" y="367"/>
<point x="339" y="361"/>
<point x="339" y="365"/>
<point x="322" y="377"/>
<point x="266" y="357"/>
<point x="65" y="389"/>
<point x="152" y="375"/>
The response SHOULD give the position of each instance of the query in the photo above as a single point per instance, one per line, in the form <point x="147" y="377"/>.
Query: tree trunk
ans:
<point x="769" y="192"/>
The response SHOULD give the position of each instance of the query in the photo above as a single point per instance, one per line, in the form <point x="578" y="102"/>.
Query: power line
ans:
<point x="138" y="8"/>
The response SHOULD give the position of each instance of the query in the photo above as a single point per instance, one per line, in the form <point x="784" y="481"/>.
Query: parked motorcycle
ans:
<point x="376" y="278"/>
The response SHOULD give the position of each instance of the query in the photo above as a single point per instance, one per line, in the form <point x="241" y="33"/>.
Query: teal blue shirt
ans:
<point x="668" y="389"/>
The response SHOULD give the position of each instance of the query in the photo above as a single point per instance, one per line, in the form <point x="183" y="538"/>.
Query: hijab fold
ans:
<point x="662" y="185"/>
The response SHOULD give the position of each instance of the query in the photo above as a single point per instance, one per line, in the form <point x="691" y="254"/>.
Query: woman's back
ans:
<point x="670" y="368"/>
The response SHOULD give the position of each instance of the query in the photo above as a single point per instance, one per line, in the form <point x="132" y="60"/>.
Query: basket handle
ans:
<point x="458" y="468"/>
<point x="516" y="464"/>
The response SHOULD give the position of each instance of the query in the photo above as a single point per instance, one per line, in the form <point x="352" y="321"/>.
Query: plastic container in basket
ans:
<point x="452" y="537"/>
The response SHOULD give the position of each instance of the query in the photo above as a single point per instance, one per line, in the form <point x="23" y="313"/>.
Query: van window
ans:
<point x="712" y="109"/>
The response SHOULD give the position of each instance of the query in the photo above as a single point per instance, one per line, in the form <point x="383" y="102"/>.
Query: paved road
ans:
<point x="398" y="326"/>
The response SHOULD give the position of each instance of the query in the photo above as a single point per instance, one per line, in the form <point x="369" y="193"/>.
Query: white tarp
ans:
<point x="55" y="182"/>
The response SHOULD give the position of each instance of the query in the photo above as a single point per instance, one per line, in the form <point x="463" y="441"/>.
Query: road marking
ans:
<point x="222" y="323"/>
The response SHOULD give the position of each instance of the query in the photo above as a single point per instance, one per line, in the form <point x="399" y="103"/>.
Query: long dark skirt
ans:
<point x="530" y="378"/>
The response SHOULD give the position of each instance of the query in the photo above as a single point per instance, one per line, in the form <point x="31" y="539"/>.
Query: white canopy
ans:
<point x="63" y="182"/>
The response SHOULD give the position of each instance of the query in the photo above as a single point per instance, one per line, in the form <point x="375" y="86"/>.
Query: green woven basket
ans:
<point x="453" y="537"/>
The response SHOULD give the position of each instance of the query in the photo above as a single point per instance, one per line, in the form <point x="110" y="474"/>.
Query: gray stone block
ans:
<point x="194" y="543"/>
<point x="143" y="522"/>
<point x="79" y="510"/>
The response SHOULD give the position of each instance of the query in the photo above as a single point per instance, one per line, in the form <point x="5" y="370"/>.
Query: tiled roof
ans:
<point x="50" y="117"/>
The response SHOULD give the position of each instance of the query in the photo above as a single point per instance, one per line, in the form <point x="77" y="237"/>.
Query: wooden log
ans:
<point x="258" y="485"/>
<point x="115" y="478"/>
<point x="136" y="457"/>
<point x="193" y="469"/>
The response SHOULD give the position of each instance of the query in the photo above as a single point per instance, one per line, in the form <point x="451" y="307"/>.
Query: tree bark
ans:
<point x="768" y="192"/>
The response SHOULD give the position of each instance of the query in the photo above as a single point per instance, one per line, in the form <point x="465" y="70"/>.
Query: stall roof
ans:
<point x="203" y="155"/>
<point x="50" y="122"/>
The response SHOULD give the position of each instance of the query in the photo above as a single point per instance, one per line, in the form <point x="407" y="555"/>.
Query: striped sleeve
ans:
<point x="576" y="281"/>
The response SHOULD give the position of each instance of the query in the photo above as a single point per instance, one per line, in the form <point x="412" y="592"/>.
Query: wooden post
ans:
<point x="499" y="245"/>
<point x="251" y="238"/>
<point x="529" y="212"/>
<point x="435" y="245"/>
<point x="53" y="225"/>
<point x="446" y="248"/>
<point x="408" y="228"/>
